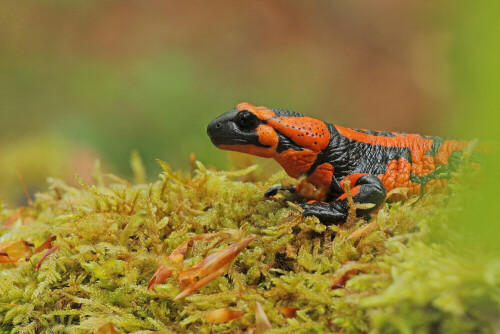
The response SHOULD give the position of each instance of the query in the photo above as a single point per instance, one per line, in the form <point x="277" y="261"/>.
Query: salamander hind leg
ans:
<point x="365" y="189"/>
<point x="334" y="212"/>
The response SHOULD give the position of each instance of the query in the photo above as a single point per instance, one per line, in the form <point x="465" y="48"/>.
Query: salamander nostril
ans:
<point x="218" y="125"/>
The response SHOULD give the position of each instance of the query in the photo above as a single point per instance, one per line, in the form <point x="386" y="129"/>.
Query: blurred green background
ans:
<point x="81" y="80"/>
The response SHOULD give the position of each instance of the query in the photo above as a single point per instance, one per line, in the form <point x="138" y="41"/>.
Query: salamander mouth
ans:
<point x="224" y="140"/>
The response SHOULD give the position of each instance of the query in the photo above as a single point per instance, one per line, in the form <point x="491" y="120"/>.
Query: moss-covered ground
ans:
<point x="400" y="272"/>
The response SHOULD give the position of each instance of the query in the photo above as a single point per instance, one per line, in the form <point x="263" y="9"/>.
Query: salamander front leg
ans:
<point x="274" y="190"/>
<point x="365" y="188"/>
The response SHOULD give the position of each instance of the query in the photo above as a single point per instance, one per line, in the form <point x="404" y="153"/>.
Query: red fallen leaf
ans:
<point x="22" y="213"/>
<point x="178" y="254"/>
<point x="389" y="232"/>
<point x="107" y="328"/>
<point x="289" y="312"/>
<point x="222" y="315"/>
<point x="339" y="281"/>
<point x="161" y="274"/>
<point x="47" y="253"/>
<point x="164" y="271"/>
<point x="211" y="267"/>
<point x="12" y="251"/>
<point x="46" y="245"/>
<point x="13" y="217"/>
<point x="347" y="271"/>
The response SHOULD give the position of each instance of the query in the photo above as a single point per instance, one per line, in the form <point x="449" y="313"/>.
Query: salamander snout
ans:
<point x="213" y="127"/>
<point x="223" y="130"/>
<point x="236" y="127"/>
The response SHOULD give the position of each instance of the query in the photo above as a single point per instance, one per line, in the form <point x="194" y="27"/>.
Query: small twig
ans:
<point x="192" y="162"/>
<point x="351" y="217"/>
<point x="347" y="189"/>
<point x="28" y="259"/>
<point x="4" y="253"/>
<point x="70" y="205"/>
<point x="23" y="185"/>
<point x="73" y="211"/>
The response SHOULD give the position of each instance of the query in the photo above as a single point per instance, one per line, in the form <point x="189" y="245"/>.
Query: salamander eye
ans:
<point x="245" y="120"/>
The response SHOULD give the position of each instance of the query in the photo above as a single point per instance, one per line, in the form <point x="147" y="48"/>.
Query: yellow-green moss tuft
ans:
<point x="396" y="277"/>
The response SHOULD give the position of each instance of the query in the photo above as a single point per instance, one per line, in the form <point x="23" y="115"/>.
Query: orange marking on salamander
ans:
<point x="296" y="163"/>
<point x="262" y="113"/>
<point x="353" y="178"/>
<point x="447" y="147"/>
<point x="417" y="144"/>
<point x="304" y="131"/>
<point x="263" y="152"/>
<point x="322" y="176"/>
<point x="354" y="192"/>
<point x="397" y="175"/>
<point x="267" y="136"/>
<point x="424" y="166"/>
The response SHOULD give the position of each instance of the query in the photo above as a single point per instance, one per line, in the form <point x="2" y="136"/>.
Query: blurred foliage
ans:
<point x="475" y="57"/>
<point x="109" y="77"/>
<point x="41" y="155"/>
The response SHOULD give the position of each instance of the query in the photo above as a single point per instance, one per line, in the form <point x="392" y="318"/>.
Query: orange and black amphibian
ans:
<point x="327" y="155"/>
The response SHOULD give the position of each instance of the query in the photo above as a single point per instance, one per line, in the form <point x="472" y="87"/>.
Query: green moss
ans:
<point x="113" y="235"/>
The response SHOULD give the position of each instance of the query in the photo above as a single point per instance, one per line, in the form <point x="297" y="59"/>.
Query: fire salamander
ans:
<point x="327" y="155"/>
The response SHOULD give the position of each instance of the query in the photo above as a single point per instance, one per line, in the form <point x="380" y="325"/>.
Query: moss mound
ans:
<point x="395" y="274"/>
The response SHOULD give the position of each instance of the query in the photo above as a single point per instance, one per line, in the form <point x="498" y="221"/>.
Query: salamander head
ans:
<point x="267" y="132"/>
<point x="244" y="129"/>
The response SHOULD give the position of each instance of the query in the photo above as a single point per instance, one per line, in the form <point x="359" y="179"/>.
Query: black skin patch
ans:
<point x="375" y="133"/>
<point x="436" y="144"/>
<point x="286" y="113"/>
<point x="349" y="156"/>
<point x="285" y="143"/>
